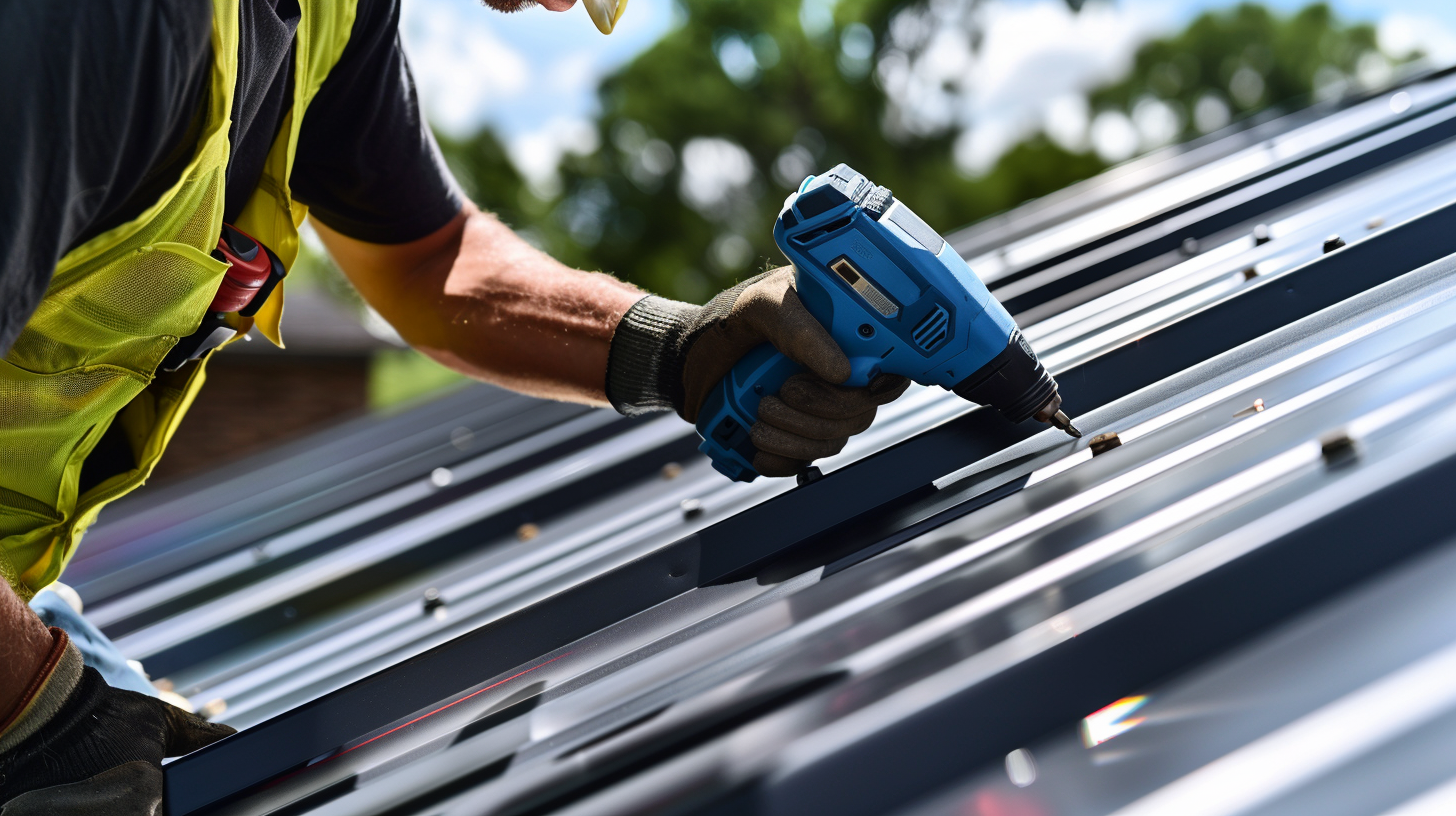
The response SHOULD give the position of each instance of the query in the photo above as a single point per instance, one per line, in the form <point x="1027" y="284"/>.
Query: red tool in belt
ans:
<point x="253" y="273"/>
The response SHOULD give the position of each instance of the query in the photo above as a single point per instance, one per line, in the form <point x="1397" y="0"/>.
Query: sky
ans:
<point x="532" y="75"/>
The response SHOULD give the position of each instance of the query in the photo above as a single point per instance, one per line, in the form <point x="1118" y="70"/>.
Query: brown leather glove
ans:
<point x="82" y="747"/>
<point x="670" y="355"/>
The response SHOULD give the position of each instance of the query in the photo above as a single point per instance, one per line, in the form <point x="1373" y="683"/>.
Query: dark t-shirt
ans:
<point x="102" y="102"/>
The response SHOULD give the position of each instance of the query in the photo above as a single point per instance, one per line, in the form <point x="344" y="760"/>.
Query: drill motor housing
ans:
<point x="896" y="298"/>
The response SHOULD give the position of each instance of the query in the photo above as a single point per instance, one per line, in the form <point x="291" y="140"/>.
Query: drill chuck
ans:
<point x="1015" y="383"/>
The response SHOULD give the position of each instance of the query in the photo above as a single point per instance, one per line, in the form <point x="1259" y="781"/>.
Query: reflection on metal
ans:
<point x="1321" y="741"/>
<point x="1021" y="768"/>
<point x="1112" y="720"/>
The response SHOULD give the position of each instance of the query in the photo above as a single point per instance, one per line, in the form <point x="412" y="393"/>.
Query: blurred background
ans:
<point x="661" y="153"/>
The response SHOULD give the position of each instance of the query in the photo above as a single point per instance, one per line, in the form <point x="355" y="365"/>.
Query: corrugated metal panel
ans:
<point x="611" y="628"/>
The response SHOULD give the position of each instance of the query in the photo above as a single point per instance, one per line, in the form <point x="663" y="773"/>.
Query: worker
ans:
<point x="134" y="131"/>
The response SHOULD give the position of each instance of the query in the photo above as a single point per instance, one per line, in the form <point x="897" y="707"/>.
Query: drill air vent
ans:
<point x="932" y="330"/>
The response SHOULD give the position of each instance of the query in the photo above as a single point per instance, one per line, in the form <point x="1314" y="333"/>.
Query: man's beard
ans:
<point x="508" y="5"/>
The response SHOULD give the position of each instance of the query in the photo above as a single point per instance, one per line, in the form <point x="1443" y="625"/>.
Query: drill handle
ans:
<point x="731" y="410"/>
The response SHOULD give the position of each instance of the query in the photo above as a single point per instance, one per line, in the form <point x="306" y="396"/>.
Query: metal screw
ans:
<point x="1261" y="234"/>
<point x="671" y="471"/>
<point x="1250" y="273"/>
<point x="1102" y="443"/>
<point x="1338" y="449"/>
<point x="433" y="600"/>
<point x="866" y="330"/>
<point x="527" y="531"/>
<point x="809" y="475"/>
<point x="1375" y="223"/>
<point x="1252" y="409"/>
<point x="691" y="508"/>
<point x="1190" y="246"/>
<point x="441" y="476"/>
<point x="1333" y="243"/>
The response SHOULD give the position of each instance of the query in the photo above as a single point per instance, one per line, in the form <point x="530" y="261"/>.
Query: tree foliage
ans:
<point x="706" y="132"/>
<point x="1239" y="61"/>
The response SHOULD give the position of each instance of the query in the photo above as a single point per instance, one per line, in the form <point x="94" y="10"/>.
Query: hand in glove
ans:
<point x="667" y="354"/>
<point x="81" y="747"/>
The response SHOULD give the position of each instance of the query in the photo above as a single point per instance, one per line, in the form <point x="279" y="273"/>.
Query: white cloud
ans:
<point x="1035" y="59"/>
<point x="537" y="154"/>
<point x="526" y="75"/>
<point x="713" y="170"/>
<point x="978" y="149"/>
<point x="1114" y="136"/>
<point x="460" y="64"/>
<point x="1400" y="33"/>
<point x="1066" y="120"/>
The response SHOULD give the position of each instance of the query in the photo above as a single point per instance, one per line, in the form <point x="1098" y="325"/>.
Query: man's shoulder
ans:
<point x="69" y="32"/>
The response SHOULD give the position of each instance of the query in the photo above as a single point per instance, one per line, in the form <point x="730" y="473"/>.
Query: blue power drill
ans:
<point x="898" y="300"/>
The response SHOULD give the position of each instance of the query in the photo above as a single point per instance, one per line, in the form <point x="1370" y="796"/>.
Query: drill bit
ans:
<point x="1053" y="415"/>
<point x="1060" y="420"/>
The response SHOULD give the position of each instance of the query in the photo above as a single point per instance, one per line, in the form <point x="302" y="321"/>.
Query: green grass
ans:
<point x="401" y="375"/>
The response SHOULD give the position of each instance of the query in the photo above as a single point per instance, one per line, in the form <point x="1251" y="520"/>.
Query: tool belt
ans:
<point x="253" y="274"/>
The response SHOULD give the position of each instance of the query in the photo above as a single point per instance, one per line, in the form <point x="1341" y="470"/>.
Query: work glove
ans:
<point x="83" y="748"/>
<point x="670" y="355"/>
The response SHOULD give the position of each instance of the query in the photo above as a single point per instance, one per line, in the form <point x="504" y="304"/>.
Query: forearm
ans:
<point x="25" y="643"/>
<point x="479" y="299"/>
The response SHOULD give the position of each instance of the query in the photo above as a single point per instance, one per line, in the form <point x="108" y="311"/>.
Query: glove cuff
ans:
<point x="48" y="691"/>
<point x="644" y="366"/>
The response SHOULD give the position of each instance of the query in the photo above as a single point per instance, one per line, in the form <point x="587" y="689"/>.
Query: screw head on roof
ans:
<point x="527" y="531"/>
<point x="1375" y="223"/>
<point x="1333" y="243"/>
<point x="1261" y="234"/>
<point x="1252" y="409"/>
<point x="441" y="476"/>
<point x="432" y="600"/>
<point x="1250" y="273"/>
<point x="671" y="471"/>
<point x="1338" y="448"/>
<point x="691" y="508"/>
<point x="1190" y="246"/>
<point x="1102" y="443"/>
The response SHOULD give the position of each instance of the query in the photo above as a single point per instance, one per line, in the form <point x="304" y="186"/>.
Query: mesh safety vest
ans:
<point x="88" y="357"/>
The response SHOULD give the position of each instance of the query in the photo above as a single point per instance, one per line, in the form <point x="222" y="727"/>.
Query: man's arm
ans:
<point x="479" y="299"/>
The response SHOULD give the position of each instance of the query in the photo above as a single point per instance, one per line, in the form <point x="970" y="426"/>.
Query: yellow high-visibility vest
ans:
<point x="117" y="304"/>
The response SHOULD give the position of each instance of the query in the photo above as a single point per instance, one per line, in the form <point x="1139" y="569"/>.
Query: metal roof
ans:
<point x="491" y="604"/>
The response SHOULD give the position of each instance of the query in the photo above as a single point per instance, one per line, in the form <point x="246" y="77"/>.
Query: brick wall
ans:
<point x="253" y="401"/>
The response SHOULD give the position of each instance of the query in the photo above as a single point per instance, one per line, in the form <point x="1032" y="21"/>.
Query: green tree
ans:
<point x="1236" y="62"/>
<point x="704" y="133"/>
